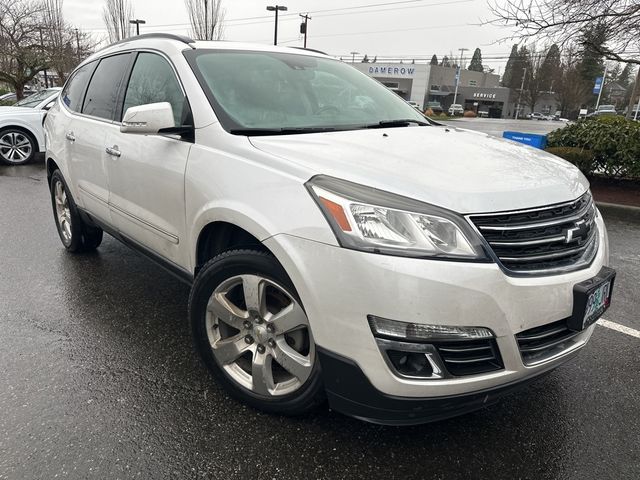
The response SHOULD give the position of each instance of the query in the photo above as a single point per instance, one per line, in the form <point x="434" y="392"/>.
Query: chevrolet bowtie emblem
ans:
<point x="577" y="232"/>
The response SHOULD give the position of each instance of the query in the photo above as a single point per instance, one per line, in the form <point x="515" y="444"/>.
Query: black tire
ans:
<point x="21" y="139"/>
<point x="78" y="237"/>
<point x="225" y="266"/>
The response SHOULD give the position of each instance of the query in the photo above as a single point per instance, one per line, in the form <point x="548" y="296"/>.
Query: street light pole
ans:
<point x="458" y="75"/>
<point x="137" y="24"/>
<point x="276" y="8"/>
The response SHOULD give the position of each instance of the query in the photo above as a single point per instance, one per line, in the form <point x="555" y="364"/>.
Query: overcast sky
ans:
<point x="395" y="28"/>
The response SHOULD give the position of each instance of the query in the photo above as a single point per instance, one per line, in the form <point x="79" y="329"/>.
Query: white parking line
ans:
<point x="619" y="328"/>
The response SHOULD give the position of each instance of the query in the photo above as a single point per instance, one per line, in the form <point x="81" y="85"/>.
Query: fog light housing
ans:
<point x="412" y="364"/>
<point x="417" y="332"/>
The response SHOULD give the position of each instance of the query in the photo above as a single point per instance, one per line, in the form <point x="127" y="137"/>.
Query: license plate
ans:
<point x="591" y="299"/>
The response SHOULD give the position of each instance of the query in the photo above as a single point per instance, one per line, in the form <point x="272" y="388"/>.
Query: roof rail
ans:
<point x="169" y="36"/>
<point x="311" y="50"/>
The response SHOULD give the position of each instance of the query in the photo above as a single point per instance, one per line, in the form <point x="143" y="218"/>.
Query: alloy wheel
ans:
<point x="259" y="334"/>
<point x="63" y="212"/>
<point x="15" y="147"/>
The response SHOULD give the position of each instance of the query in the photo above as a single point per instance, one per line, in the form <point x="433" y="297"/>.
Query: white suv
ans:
<point x="339" y="244"/>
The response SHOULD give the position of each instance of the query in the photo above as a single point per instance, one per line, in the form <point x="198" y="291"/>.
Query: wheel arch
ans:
<point x="220" y="236"/>
<point x="52" y="166"/>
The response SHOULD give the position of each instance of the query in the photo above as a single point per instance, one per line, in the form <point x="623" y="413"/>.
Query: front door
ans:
<point x="146" y="172"/>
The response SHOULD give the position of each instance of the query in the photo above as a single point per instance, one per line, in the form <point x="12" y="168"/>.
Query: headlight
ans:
<point x="371" y="220"/>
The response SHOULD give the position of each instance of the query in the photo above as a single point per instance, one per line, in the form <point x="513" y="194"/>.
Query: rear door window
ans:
<point x="101" y="99"/>
<point x="73" y="92"/>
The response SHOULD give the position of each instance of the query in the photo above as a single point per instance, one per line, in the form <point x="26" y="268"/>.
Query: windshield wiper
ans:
<point x="281" y="131"/>
<point x="401" y="122"/>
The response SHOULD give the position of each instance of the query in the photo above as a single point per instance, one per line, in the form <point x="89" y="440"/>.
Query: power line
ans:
<point x="293" y="16"/>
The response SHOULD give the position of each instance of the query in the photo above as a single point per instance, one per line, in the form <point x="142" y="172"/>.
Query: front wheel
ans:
<point x="253" y="333"/>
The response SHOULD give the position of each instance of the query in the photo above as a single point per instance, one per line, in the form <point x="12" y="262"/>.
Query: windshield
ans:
<point x="32" y="100"/>
<point x="252" y="91"/>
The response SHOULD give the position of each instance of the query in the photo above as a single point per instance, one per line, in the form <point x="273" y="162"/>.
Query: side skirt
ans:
<point x="175" y="270"/>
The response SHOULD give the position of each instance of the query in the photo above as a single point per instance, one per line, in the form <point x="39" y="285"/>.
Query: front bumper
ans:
<point x="340" y="287"/>
<point x="350" y="392"/>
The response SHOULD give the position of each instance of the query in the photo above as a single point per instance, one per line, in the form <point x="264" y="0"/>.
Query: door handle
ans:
<point x="113" y="151"/>
<point x="70" y="136"/>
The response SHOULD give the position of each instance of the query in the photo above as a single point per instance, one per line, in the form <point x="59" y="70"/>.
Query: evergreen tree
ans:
<point x="476" y="61"/>
<point x="624" y="78"/>
<point x="591" y="63"/>
<point x="551" y="69"/>
<point x="365" y="59"/>
<point x="520" y="62"/>
<point x="434" y="60"/>
<point x="445" y="61"/>
<point x="507" y="77"/>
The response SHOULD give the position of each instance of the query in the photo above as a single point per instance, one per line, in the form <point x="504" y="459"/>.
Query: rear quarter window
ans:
<point x="73" y="93"/>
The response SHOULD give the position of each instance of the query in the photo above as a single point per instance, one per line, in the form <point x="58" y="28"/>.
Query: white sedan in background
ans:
<point x="21" y="133"/>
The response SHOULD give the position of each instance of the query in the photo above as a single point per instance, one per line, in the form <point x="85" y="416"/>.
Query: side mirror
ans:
<point x="49" y="105"/>
<point x="148" y="119"/>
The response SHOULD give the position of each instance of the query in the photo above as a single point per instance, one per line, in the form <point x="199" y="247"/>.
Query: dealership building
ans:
<point x="421" y="83"/>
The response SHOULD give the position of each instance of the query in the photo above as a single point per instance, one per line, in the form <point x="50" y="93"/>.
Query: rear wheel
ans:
<point x="75" y="234"/>
<point x="253" y="333"/>
<point x="16" y="147"/>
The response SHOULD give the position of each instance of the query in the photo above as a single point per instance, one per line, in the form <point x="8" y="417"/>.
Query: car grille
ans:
<point x="540" y="344"/>
<point x="543" y="240"/>
<point x="470" y="357"/>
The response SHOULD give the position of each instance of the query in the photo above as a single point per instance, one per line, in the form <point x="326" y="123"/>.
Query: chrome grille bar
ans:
<point x="542" y="240"/>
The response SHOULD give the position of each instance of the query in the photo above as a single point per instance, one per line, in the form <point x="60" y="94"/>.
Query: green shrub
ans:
<point x="581" y="158"/>
<point x="613" y="141"/>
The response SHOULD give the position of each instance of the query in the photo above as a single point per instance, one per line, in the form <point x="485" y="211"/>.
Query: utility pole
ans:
<point x="604" y="80"/>
<point x="78" y="44"/>
<point x="138" y="22"/>
<point x="458" y="75"/>
<point x="524" y="75"/>
<point x="46" y="79"/>
<point x="304" y="27"/>
<point x="276" y="8"/>
<point x="353" y="56"/>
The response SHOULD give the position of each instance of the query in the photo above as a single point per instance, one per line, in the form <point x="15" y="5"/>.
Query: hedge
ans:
<point x="608" y="146"/>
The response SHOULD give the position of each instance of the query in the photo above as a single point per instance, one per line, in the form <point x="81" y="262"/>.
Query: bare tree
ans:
<point x="206" y="18"/>
<point x="564" y="21"/>
<point x="21" y="54"/>
<point x="116" y="15"/>
<point x="534" y="77"/>
<point x="570" y="88"/>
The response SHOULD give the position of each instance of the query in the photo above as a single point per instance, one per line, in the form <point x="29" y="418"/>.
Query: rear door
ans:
<point x="146" y="173"/>
<point x="87" y="133"/>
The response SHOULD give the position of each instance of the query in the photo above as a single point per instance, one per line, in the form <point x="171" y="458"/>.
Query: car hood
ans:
<point x="464" y="171"/>
<point x="15" y="111"/>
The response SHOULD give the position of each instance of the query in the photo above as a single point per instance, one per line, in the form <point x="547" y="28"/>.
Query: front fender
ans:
<point x="33" y="125"/>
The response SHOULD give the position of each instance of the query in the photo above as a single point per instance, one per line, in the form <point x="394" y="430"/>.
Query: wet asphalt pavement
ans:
<point x="98" y="379"/>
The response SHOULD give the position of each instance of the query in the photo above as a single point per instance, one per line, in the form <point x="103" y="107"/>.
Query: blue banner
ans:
<point x="598" y="86"/>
